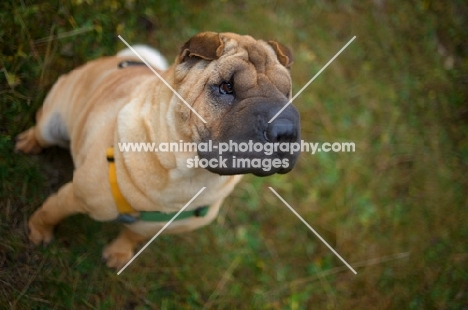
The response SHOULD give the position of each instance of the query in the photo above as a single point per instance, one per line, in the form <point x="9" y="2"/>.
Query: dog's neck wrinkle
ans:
<point x="140" y="173"/>
<point x="142" y="176"/>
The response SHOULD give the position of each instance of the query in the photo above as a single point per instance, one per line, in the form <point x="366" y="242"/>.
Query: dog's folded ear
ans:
<point x="205" y="45"/>
<point x="283" y="53"/>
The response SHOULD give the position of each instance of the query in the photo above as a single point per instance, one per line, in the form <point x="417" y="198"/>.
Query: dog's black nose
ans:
<point x="281" y="130"/>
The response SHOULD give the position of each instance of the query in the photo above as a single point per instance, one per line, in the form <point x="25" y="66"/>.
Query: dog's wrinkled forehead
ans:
<point x="253" y="63"/>
<point x="257" y="52"/>
<point x="212" y="46"/>
<point x="256" y="68"/>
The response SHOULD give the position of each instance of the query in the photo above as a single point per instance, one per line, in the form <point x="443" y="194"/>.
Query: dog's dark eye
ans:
<point x="226" y="88"/>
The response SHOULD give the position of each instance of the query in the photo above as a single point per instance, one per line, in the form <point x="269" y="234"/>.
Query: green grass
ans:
<point x="395" y="209"/>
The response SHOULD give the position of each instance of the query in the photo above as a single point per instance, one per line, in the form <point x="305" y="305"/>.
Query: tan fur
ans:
<point x="98" y="105"/>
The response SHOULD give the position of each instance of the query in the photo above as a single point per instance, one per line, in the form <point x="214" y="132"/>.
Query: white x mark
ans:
<point x="311" y="80"/>
<point x="163" y="80"/>
<point x="313" y="230"/>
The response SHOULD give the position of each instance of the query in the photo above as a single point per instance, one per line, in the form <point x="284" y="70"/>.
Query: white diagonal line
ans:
<point x="163" y="80"/>
<point x="311" y="80"/>
<point x="161" y="230"/>
<point x="310" y="227"/>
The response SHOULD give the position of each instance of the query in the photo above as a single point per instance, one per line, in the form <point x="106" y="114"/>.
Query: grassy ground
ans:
<point x="395" y="209"/>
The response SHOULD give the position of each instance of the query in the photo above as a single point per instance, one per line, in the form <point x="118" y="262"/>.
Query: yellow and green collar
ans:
<point x="126" y="212"/>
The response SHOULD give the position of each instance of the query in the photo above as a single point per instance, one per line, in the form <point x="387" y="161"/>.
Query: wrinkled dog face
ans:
<point x="237" y="84"/>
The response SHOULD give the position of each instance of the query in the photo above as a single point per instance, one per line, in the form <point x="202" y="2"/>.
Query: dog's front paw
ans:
<point x="40" y="233"/>
<point x="26" y="142"/>
<point x="117" y="254"/>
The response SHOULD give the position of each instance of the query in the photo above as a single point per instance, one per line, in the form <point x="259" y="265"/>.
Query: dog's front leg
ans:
<point x="121" y="250"/>
<point x="58" y="206"/>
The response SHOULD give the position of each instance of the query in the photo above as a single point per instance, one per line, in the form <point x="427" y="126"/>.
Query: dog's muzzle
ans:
<point x="247" y="125"/>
